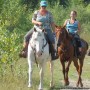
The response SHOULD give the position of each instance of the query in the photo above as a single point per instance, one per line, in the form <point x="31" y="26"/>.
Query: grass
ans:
<point x="19" y="80"/>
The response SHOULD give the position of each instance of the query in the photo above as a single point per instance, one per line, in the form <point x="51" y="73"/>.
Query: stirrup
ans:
<point x="54" y="56"/>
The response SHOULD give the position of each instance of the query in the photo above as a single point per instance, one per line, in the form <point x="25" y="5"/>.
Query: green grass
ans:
<point x="19" y="80"/>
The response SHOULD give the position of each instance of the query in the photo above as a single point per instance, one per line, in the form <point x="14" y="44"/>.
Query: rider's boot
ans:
<point x="80" y="51"/>
<point x="54" y="54"/>
<point x="23" y="53"/>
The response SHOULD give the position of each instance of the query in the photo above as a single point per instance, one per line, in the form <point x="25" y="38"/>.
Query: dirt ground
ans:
<point x="72" y="85"/>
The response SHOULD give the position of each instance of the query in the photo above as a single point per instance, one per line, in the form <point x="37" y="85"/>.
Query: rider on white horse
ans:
<point x="42" y="19"/>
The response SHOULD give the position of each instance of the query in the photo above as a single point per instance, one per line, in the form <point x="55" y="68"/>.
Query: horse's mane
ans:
<point x="67" y="34"/>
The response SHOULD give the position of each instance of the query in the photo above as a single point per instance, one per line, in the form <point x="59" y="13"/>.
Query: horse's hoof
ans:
<point x="77" y="85"/>
<point x="29" y="86"/>
<point x="81" y="84"/>
<point x="40" y="88"/>
<point x="51" y="85"/>
<point x="66" y="83"/>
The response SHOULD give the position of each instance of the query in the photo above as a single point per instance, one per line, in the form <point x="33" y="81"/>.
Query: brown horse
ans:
<point x="66" y="53"/>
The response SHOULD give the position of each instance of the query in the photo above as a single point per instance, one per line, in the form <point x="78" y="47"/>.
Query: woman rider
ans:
<point x="73" y="27"/>
<point x="42" y="18"/>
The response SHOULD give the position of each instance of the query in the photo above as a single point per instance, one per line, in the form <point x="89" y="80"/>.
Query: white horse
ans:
<point x="38" y="52"/>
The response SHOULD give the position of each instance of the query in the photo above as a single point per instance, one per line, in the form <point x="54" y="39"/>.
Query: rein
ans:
<point x="44" y="45"/>
<point x="64" y="50"/>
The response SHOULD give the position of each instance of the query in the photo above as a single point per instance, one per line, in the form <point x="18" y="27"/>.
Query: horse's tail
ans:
<point x="87" y="45"/>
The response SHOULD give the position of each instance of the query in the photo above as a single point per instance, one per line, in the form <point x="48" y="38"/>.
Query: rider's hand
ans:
<point x="76" y="32"/>
<point x="39" y="23"/>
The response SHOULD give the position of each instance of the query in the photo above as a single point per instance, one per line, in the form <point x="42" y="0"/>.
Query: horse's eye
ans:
<point x="35" y="39"/>
<point x="61" y="32"/>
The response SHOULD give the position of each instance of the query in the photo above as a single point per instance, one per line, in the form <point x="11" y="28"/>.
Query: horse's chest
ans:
<point x="64" y="53"/>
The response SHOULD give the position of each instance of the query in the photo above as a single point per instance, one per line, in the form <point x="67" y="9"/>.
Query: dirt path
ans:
<point x="72" y="85"/>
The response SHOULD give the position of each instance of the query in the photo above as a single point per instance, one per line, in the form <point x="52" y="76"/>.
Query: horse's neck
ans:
<point x="67" y="37"/>
<point x="45" y="41"/>
<point x="65" y="42"/>
<point x="31" y="40"/>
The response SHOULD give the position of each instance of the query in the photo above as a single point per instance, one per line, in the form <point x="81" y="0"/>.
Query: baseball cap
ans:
<point x="43" y="3"/>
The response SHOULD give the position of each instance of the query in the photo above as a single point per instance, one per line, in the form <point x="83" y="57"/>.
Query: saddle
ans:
<point x="76" y="47"/>
<point x="76" y="42"/>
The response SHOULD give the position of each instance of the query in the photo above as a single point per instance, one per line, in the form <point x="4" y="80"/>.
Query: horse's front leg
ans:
<point x="63" y="68"/>
<point x="30" y="74"/>
<point x="66" y="74"/>
<point x="80" y="71"/>
<point x="42" y="68"/>
<point x="51" y="74"/>
<point x="30" y="64"/>
<point x="75" y="60"/>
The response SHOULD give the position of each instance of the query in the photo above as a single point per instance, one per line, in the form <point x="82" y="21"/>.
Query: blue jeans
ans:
<point x="77" y="38"/>
<point x="28" y="35"/>
<point x="49" y="35"/>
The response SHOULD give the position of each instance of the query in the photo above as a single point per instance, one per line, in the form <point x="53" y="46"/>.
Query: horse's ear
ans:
<point x="35" y="29"/>
<point x="43" y="30"/>
<point x="56" y="26"/>
<point x="63" y="27"/>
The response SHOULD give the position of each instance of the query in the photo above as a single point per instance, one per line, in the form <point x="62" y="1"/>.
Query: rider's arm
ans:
<point x="53" y="26"/>
<point x="36" y="22"/>
<point x="34" y="19"/>
<point x="79" y="27"/>
<point x="65" y="23"/>
<point x="51" y="21"/>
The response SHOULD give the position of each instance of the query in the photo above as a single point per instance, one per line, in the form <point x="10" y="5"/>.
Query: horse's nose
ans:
<point x="39" y="53"/>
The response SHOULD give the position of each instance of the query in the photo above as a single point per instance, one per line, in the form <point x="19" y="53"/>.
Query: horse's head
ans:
<point x="37" y="41"/>
<point x="61" y="33"/>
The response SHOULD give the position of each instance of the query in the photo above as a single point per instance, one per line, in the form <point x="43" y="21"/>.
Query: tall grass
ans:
<point x="19" y="80"/>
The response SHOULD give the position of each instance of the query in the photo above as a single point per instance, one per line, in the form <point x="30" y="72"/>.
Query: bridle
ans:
<point x="43" y="46"/>
<point x="42" y="49"/>
<point x="62" y="41"/>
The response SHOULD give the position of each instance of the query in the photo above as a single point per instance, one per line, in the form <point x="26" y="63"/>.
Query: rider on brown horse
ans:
<point x="73" y="27"/>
